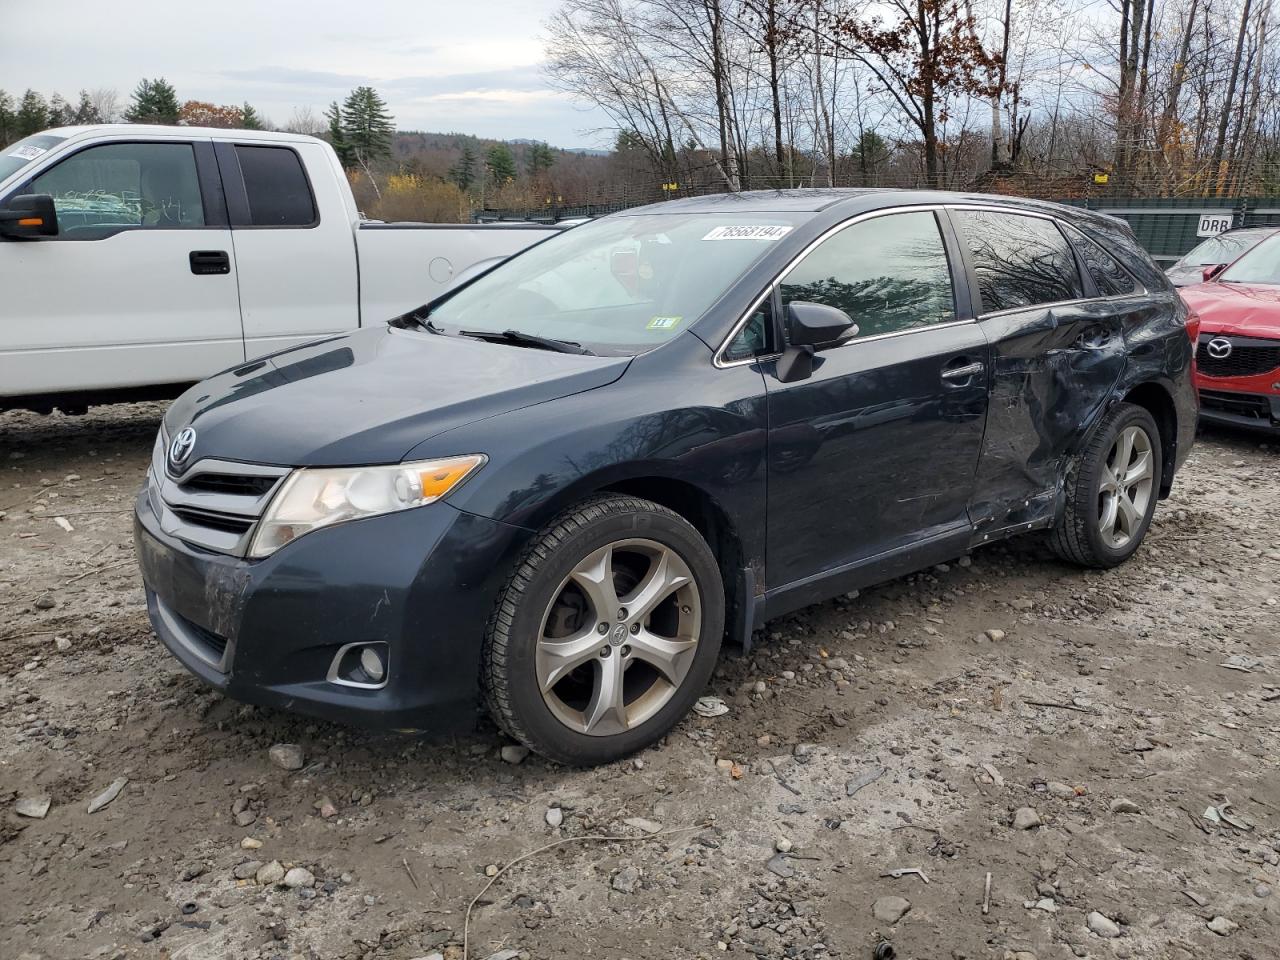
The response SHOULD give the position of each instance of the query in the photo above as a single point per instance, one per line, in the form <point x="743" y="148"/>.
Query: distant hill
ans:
<point x="434" y="154"/>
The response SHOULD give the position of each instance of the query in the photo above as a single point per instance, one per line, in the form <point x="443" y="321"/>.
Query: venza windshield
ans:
<point x="622" y="285"/>
<point x="18" y="155"/>
<point x="1259" y="265"/>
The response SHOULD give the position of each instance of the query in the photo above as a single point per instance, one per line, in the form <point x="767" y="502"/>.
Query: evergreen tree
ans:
<point x="367" y="127"/>
<point x="8" y="121"/>
<point x="539" y="159"/>
<point x="60" y="112"/>
<point x="500" y="164"/>
<point x="338" y="137"/>
<point x="32" y="115"/>
<point x="154" y="101"/>
<point x="86" y="111"/>
<point x="249" y="118"/>
<point x="463" y="173"/>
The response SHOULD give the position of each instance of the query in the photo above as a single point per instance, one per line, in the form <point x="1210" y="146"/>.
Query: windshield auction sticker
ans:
<point x="27" y="153"/>
<point x="748" y="232"/>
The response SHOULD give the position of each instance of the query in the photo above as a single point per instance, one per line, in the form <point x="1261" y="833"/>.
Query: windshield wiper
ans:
<point x="520" y="339"/>
<point x="417" y="321"/>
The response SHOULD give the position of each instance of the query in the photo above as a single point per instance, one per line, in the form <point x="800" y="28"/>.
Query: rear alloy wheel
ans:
<point x="606" y="633"/>
<point x="1111" y="490"/>
<point x="1125" y="488"/>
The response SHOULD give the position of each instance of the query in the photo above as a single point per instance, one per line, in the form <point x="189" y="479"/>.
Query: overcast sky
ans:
<point x="472" y="66"/>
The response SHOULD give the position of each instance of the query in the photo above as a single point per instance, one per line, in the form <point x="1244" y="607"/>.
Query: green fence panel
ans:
<point x="1167" y="227"/>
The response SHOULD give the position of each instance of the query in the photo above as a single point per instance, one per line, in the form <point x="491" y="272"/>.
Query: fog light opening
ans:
<point x="363" y="665"/>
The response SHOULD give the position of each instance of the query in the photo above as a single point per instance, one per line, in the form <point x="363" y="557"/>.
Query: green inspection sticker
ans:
<point x="663" y="323"/>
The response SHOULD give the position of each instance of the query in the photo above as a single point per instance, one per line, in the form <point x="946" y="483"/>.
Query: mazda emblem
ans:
<point x="1219" y="348"/>
<point x="182" y="446"/>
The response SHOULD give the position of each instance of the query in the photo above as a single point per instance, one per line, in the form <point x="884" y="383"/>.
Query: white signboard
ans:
<point x="1212" y="224"/>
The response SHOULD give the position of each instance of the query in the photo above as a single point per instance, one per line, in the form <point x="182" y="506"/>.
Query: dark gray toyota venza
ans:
<point x="556" y="489"/>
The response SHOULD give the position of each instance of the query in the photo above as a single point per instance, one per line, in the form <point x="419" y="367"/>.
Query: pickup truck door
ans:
<point x="294" y="243"/>
<point x="139" y="285"/>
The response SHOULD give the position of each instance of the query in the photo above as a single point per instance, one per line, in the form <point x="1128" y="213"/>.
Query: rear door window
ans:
<point x="277" y="187"/>
<point x="1111" y="279"/>
<point x="1019" y="261"/>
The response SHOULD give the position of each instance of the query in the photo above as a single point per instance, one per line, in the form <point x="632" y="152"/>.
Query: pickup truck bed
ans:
<point x="181" y="251"/>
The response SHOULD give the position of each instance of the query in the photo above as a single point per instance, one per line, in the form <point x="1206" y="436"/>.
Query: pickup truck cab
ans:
<point x="137" y="258"/>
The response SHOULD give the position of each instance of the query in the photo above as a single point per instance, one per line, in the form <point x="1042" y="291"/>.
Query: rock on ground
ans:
<point x="287" y="756"/>
<point x="1103" y="925"/>
<point x="890" y="909"/>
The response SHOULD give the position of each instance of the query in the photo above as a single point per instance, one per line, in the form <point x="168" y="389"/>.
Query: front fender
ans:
<point x="674" y="417"/>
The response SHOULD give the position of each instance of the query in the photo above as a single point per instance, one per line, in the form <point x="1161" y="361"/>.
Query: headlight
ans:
<point x="315" y="498"/>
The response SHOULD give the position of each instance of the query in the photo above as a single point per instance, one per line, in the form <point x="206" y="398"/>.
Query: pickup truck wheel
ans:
<point x="606" y="632"/>
<point x="1111" y="491"/>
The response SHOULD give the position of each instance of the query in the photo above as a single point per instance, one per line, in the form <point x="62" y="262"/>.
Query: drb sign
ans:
<point x="1212" y="224"/>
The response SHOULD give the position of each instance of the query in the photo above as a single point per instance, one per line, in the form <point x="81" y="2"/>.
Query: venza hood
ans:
<point x="1248" y="310"/>
<point x="371" y="396"/>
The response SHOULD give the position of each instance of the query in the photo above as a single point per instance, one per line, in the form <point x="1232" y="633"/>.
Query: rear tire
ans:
<point x="606" y="632"/>
<point x="1111" y="490"/>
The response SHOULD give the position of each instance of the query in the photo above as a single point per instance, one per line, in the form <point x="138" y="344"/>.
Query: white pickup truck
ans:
<point x="137" y="258"/>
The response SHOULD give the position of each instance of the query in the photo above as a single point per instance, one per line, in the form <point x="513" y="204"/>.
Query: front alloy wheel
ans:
<point x="619" y="637"/>
<point x="606" y="633"/>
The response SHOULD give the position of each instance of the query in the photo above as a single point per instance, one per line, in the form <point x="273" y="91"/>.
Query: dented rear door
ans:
<point x="1056" y="352"/>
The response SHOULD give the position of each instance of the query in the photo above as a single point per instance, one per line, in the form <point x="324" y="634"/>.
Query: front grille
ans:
<point x="204" y="644"/>
<point x="214" y="521"/>
<point x="214" y="504"/>
<point x="214" y="643"/>
<point x="236" y="486"/>
<point x="1240" y="404"/>
<point x="1249" y="357"/>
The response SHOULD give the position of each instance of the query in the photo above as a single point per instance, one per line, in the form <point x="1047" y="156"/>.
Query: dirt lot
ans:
<point x="1062" y="732"/>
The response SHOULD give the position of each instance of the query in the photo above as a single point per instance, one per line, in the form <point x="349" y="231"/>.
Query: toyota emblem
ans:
<point x="182" y="446"/>
<point x="1219" y="348"/>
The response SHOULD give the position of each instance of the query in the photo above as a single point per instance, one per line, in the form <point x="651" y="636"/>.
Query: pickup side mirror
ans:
<point x="31" y="215"/>
<point x="810" y="327"/>
<point x="1212" y="271"/>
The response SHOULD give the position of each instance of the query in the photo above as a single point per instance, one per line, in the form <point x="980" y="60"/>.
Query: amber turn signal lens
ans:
<point x="31" y="222"/>
<point x="436" y="483"/>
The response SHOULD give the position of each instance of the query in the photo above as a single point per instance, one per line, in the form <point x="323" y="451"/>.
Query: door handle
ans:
<point x="209" y="262"/>
<point x="956" y="375"/>
<point x="1094" y="337"/>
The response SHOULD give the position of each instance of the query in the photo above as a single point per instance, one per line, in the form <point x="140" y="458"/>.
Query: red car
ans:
<point x="1238" y="346"/>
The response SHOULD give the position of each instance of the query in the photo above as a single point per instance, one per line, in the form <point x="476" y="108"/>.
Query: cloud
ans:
<point x="295" y="77"/>
<point x="526" y="78"/>
<point x="472" y="67"/>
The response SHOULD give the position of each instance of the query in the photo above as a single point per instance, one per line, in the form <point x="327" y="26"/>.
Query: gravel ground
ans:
<point x="1006" y="716"/>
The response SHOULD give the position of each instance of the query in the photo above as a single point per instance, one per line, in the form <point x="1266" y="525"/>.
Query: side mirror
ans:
<point x="810" y="327"/>
<point x="1212" y="271"/>
<point x="31" y="215"/>
<point x="817" y="324"/>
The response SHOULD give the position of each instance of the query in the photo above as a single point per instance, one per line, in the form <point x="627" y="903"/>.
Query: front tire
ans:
<point x="606" y="632"/>
<point x="1111" y="491"/>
